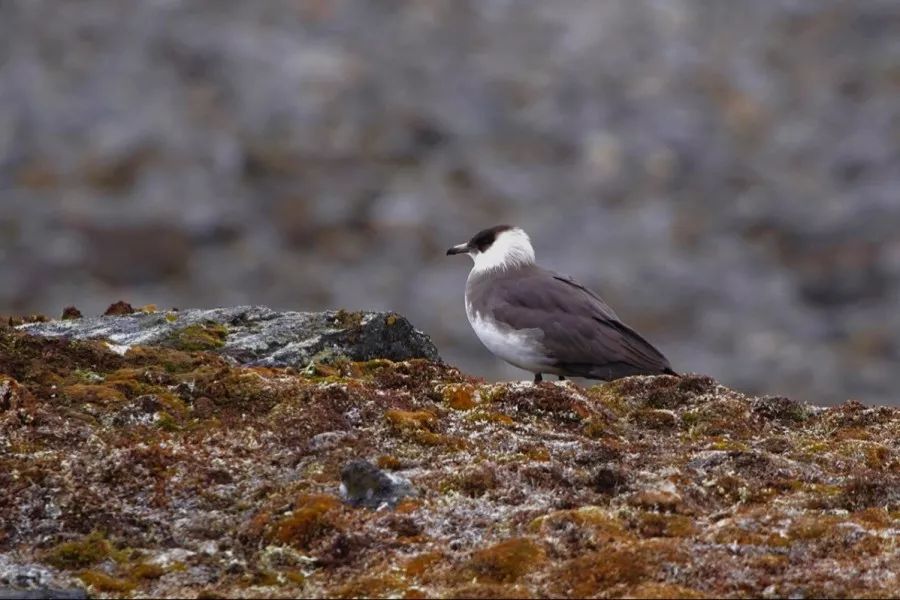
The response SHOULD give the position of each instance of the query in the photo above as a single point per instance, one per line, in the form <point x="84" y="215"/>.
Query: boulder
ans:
<point x="255" y="334"/>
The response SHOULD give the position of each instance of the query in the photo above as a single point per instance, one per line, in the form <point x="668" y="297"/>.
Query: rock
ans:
<point x="12" y="395"/>
<point x="255" y="334"/>
<point x="364" y="484"/>
<point x="42" y="594"/>
<point x="608" y="480"/>
<point x="118" y="308"/>
<point x="71" y="312"/>
<point x="781" y="408"/>
<point x="28" y="580"/>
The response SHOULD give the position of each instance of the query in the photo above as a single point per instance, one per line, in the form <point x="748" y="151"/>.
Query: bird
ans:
<point x="544" y="322"/>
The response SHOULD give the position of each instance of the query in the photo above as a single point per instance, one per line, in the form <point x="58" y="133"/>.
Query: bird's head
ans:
<point x="499" y="247"/>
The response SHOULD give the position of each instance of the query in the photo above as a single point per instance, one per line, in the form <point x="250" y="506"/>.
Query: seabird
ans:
<point x="544" y="322"/>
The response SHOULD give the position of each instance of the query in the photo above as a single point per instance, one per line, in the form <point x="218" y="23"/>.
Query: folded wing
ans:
<point x="581" y="333"/>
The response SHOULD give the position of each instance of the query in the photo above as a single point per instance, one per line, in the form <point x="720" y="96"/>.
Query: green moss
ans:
<point x="367" y="367"/>
<point x="199" y="337"/>
<point x="347" y="319"/>
<point x="608" y="396"/>
<point x="654" y="418"/>
<point x="370" y="586"/>
<point x="166" y="422"/>
<point x="88" y="376"/>
<point x="724" y="443"/>
<point x="83" y="393"/>
<point x="146" y="571"/>
<point x="79" y="554"/>
<point x="813" y="527"/>
<point x="105" y="583"/>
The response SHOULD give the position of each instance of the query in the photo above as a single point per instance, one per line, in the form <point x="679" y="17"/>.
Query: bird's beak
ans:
<point x="458" y="249"/>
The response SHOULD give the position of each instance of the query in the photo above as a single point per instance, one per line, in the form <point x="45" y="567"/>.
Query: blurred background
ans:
<point x="726" y="175"/>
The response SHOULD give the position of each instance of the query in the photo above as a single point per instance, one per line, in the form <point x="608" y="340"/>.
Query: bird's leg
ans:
<point x="561" y="378"/>
<point x="538" y="378"/>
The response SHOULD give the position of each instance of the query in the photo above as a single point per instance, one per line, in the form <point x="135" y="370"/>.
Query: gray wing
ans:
<point x="582" y="334"/>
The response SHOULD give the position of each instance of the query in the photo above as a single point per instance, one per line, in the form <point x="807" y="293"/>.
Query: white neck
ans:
<point x="512" y="249"/>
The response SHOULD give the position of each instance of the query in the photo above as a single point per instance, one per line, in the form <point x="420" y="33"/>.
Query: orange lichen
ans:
<point x="386" y="461"/>
<point x="537" y="453"/>
<point x="583" y="529"/>
<point x="476" y="481"/>
<point x="420" y="426"/>
<point x="630" y="564"/>
<point x="418" y="565"/>
<point x="651" y="524"/>
<point x="459" y="397"/>
<point x="406" y="420"/>
<point x="406" y="506"/>
<point x="490" y="591"/>
<point x="661" y="591"/>
<point x="506" y="561"/>
<point x="307" y="521"/>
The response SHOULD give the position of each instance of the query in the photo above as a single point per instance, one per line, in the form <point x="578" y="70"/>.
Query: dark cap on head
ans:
<point x="481" y="241"/>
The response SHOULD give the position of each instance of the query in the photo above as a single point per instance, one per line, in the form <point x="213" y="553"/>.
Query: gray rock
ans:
<point x="257" y="334"/>
<point x="364" y="484"/>
<point x="28" y="580"/>
<point x="42" y="593"/>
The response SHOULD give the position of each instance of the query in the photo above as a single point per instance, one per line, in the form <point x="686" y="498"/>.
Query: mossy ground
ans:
<point x="173" y="472"/>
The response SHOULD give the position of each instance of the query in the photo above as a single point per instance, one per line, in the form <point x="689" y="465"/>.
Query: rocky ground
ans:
<point x="172" y="470"/>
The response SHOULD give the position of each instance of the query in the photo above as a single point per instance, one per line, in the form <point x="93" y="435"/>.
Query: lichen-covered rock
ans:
<point x="166" y="471"/>
<point x="254" y="334"/>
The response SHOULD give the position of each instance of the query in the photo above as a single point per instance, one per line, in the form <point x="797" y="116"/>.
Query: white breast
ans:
<point x="519" y="347"/>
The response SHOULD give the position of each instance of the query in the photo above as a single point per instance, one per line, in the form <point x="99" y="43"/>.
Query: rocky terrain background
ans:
<point x="725" y="174"/>
<point x="186" y="467"/>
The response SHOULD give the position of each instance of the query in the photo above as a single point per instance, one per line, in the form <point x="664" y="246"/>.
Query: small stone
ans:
<point x="609" y="480"/>
<point x="148" y="403"/>
<point x="42" y="594"/>
<point x="203" y="407"/>
<point x="779" y="408"/>
<point x="70" y="313"/>
<point x="119" y="308"/>
<point x="328" y="440"/>
<point x="660" y="500"/>
<point x="364" y="484"/>
<point x="776" y="444"/>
